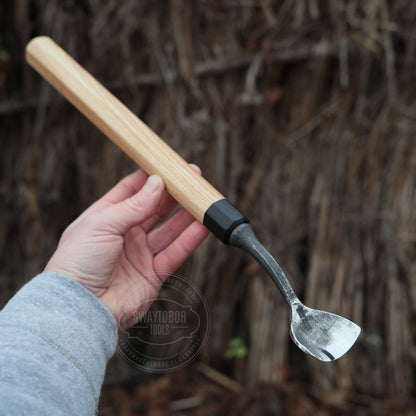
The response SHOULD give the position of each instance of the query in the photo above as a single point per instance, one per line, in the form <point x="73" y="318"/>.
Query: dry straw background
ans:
<point x="301" y="112"/>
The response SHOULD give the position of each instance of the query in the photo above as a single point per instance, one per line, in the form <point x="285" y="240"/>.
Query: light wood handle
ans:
<point x="120" y="125"/>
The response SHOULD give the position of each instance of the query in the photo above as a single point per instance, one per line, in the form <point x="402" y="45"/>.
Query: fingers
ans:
<point x="161" y="237"/>
<point x="136" y="209"/>
<point x="169" y="259"/>
<point x="166" y="206"/>
<point x="128" y="187"/>
<point x="124" y="189"/>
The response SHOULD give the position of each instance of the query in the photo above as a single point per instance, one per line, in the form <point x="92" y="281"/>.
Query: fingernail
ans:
<point x="152" y="183"/>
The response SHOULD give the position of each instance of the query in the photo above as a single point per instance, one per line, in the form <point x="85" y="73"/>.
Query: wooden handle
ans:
<point x="120" y="125"/>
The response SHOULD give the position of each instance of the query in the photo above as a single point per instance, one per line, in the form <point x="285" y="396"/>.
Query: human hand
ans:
<point x="117" y="250"/>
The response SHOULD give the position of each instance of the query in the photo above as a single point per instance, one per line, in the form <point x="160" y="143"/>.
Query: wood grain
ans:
<point x="120" y="125"/>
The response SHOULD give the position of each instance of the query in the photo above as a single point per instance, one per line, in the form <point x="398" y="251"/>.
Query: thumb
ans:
<point x="121" y="217"/>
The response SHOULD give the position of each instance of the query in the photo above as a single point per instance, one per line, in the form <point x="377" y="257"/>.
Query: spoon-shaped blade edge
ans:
<point x="323" y="335"/>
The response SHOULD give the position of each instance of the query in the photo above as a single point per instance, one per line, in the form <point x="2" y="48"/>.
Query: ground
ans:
<point x="189" y="392"/>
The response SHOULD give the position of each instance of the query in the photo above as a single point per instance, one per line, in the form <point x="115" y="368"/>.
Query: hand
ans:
<point x="116" y="250"/>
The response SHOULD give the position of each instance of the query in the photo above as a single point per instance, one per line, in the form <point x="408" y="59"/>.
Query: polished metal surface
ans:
<point x="323" y="335"/>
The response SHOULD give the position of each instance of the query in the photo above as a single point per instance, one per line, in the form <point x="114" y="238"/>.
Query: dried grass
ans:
<point x="302" y="113"/>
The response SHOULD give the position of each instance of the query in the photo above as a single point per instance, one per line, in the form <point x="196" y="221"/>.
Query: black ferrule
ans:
<point x="221" y="218"/>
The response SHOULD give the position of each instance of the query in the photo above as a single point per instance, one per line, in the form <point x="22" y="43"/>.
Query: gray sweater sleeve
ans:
<point x="55" y="340"/>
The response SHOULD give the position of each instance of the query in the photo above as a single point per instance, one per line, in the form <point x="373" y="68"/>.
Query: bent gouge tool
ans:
<point x="323" y="335"/>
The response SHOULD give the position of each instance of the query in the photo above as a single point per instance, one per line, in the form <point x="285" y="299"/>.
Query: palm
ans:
<point x="134" y="282"/>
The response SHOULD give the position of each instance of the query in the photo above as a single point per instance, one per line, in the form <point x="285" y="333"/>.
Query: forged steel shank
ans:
<point x="323" y="335"/>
